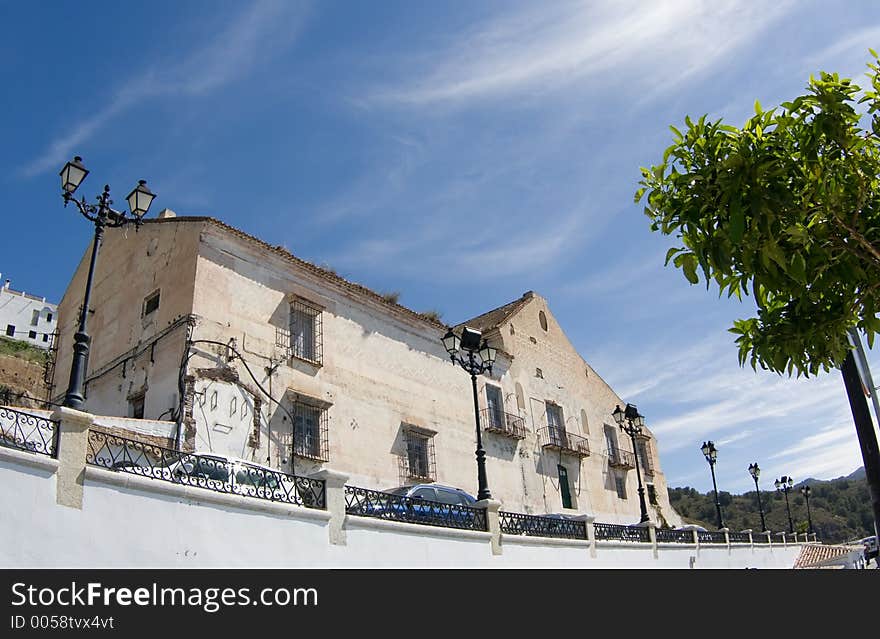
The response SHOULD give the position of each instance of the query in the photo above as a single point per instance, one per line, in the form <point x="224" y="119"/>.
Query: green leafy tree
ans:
<point x="786" y="209"/>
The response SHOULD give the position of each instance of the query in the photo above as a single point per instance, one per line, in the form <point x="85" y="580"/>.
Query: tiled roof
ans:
<point x="317" y="270"/>
<point x="822" y="556"/>
<point x="496" y="317"/>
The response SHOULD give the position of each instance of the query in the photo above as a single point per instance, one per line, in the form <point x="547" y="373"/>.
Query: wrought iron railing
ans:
<point x="497" y="421"/>
<point x="760" y="538"/>
<point x="619" y="458"/>
<point x="711" y="537"/>
<point x="542" y="526"/>
<point x="619" y="532"/>
<point x="25" y="431"/>
<point x="739" y="537"/>
<point x="202" y="470"/>
<point x="373" y="503"/>
<point x="559" y="439"/>
<point x="670" y="535"/>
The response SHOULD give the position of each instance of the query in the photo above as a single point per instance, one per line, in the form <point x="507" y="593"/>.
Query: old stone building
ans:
<point x="254" y="353"/>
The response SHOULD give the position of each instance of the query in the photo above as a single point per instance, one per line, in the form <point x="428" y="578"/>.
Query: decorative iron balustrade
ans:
<point x="620" y="532"/>
<point x="542" y="526"/>
<point x="670" y="535"/>
<point x="760" y="538"/>
<point x="739" y="538"/>
<point x="28" y="432"/>
<point x="203" y="470"/>
<point x="563" y="441"/>
<point x="497" y="421"/>
<point x="619" y="458"/>
<point x="711" y="537"/>
<point x="373" y="503"/>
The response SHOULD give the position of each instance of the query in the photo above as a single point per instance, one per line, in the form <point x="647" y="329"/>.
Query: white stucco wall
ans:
<point x="167" y="525"/>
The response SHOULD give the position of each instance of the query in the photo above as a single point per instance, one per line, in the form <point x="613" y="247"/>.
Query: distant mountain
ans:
<point x="858" y="473"/>
<point x="840" y="508"/>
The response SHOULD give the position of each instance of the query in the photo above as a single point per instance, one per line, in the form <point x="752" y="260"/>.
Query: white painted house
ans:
<point x="26" y="317"/>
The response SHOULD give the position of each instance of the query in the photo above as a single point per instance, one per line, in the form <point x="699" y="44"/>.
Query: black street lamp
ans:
<point x="102" y="215"/>
<point x="711" y="454"/>
<point x="805" y="490"/>
<point x="631" y="422"/>
<point x="785" y="484"/>
<point x="478" y="359"/>
<point x="755" y="472"/>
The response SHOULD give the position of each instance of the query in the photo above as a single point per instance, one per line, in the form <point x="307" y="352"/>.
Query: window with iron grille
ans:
<point x="310" y="432"/>
<point x="305" y="339"/>
<point x="419" y="461"/>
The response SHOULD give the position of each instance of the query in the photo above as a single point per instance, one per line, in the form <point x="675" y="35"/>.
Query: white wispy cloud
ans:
<point x="260" y="30"/>
<point x="537" y="48"/>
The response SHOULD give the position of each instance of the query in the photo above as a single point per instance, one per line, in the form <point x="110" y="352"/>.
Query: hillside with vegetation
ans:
<point x="840" y="508"/>
<point x="22" y="373"/>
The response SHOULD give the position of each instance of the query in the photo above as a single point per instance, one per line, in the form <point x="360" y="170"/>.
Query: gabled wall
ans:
<point x="160" y="256"/>
<point x="548" y="368"/>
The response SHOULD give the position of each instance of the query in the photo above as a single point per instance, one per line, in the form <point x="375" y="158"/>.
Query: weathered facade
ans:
<point x="293" y="366"/>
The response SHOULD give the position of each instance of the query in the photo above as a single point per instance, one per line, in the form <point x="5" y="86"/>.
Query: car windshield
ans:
<point x="256" y="477"/>
<point x="212" y="468"/>
<point x="452" y="497"/>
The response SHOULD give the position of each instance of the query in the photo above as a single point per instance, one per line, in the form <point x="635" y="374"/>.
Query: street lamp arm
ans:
<point x="102" y="213"/>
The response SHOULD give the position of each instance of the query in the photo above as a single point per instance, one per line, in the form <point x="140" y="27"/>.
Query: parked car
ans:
<point x="420" y="503"/>
<point x="233" y="475"/>
<point x="692" y="527"/>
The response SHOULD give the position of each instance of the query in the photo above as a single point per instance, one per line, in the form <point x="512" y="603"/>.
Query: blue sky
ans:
<point x="460" y="153"/>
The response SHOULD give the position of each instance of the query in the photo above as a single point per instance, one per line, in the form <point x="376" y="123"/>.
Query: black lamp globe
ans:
<point x="72" y="175"/>
<point x="450" y="342"/>
<point x="487" y="354"/>
<point x="139" y="199"/>
<point x="754" y="471"/>
<point x="470" y="339"/>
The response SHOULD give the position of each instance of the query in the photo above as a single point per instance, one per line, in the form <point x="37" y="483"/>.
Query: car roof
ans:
<point x="441" y="486"/>
<point x="234" y="460"/>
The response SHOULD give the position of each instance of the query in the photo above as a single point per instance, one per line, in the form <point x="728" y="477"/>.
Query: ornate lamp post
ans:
<point x="711" y="455"/>
<point x="631" y="422"/>
<point x="805" y="491"/>
<point x="477" y="359"/>
<point x="755" y="472"/>
<point x="785" y="484"/>
<point x="102" y="215"/>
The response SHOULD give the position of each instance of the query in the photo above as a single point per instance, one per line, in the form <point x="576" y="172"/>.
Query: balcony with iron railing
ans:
<point x="495" y="420"/>
<point x="619" y="458"/>
<point x="565" y="442"/>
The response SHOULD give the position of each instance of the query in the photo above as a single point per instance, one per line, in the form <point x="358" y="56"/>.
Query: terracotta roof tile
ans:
<point x="822" y="556"/>
<point x="496" y="317"/>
